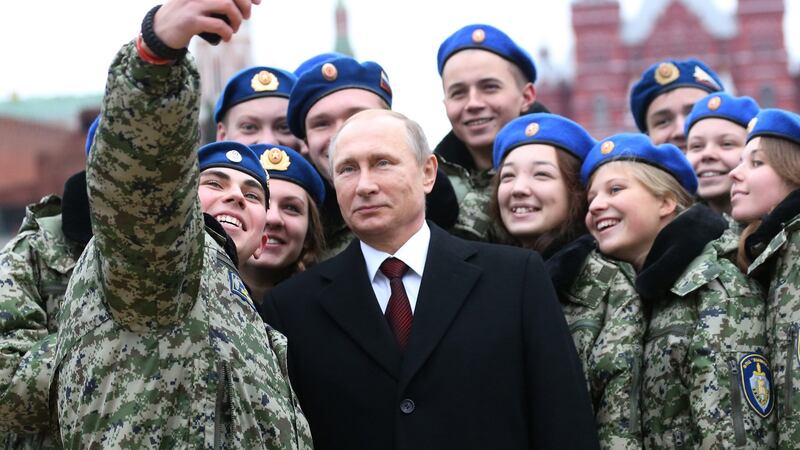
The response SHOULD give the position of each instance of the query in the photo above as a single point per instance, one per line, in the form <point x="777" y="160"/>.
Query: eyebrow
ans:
<point x="535" y="163"/>
<point x="215" y="173"/>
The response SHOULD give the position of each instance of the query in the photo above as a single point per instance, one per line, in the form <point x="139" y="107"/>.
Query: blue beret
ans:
<point x="328" y="77"/>
<point x="90" y="133"/>
<point x="739" y="110"/>
<point x="638" y="147"/>
<point x="668" y="75"/>
<point x="254" y="82"/>
<point x="284" y="163"/>
<point x="775" y="123"/>
<point x="489" y="38"/>
<point x="316" y="59"/>
<point x="542" y="128"/>
<point x="233" y="155"/>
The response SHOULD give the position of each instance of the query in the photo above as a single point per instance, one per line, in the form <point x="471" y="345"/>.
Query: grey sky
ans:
<point x="67" y="48"/>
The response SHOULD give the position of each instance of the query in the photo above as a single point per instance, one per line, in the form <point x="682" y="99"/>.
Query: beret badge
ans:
<point x="329" y="72"/>
<point x="264" y="81"/>
<point x="714" y="103"/>
<point x="667" y="73"/>
<point x="752" y="124"/>
<point x="478" y="36"/>
<point x="275" y="159"/>
<point x="607" y="147"/>
<point x="234" y="156"/>
<point x="532" y="129"/>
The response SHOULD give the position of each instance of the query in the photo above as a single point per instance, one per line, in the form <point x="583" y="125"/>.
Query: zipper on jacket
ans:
<point x="634" y="415"/>
<point x="222" y="409"/>
<point x="736" y="405"/>
<point x="788" y="380"/>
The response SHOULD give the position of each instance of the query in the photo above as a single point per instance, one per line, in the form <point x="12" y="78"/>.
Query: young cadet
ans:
<point x="542" y="205"/>
<point x="159" y="342"/>
<point x="665" y="94"/>
<point x="35" y="267"/>
<point x="325" y="96"/>
<point x="706" y="373"/>
<point x="487" y="81"/>
<point x="765" y="195"/>
<point x="716" y="130"/>
<point x="252" y="108"/>
<point x="294" y="228"/>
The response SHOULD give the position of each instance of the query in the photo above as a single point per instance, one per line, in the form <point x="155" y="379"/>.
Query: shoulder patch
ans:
<point x="757" y="383"/>
<point x="238" y="287"/>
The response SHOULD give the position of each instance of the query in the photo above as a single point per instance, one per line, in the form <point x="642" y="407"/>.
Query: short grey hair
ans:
<point x="415" y="137"/>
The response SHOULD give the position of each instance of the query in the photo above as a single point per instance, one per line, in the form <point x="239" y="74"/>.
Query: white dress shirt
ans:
<point x="414" y="253"/>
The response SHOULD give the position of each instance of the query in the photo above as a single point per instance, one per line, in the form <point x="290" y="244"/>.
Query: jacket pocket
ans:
<point x="222" y="407"/>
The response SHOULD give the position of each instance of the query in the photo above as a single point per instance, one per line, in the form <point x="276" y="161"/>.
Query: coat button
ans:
<point x="407" y="406"/>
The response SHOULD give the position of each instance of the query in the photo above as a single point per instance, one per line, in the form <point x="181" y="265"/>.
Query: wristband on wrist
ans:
<point x="148" y="57"/>
<point x="157" y="47"/>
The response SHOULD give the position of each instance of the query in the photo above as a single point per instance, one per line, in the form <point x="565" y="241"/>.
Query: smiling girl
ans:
<point x="705" y="341"/>
<point x="764" y="194"/>
<point x="294" y="232"/>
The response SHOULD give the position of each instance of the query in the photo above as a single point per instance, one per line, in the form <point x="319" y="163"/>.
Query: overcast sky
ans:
<point x="58" y="47"/>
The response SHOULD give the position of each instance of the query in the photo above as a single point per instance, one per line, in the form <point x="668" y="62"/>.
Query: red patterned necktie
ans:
<point x="398" y="311"/>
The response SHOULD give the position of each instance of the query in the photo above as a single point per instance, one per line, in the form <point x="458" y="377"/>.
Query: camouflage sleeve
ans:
<point x="24" y="367"/>
<point x="142" y="179"/>
<point x="726" y="361"/>
<point x="616" y="362"/>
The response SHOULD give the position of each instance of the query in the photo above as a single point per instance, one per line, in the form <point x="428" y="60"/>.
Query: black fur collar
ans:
<point x="229" y="246"/>
<point x="76" y="223"/>
<point x="678" y="243"/>
<point x="565" y="265"/>
<point x="772" y="224"/>
<point x="455" y="151"/>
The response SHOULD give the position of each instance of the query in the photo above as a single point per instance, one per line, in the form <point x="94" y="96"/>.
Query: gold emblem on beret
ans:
<point x="275" y="159"/>
<point x="714" y="102"/>
<point x="667" y="73"/>
<point x="234" y="156"/>
<point x="532" y="129"/>
<point x="752" y="124"/>
<point x="478" y="36"/>
<point x="607" y="147"/>
<point x="329" y="72"/>
<point x="264" y="81"/>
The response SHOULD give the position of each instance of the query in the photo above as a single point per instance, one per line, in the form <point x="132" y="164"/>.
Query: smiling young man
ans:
<point x="487" y="81"/>
<point x="409" y="328"/>
<point x="665" y="94"/>
<point x="160" y="344"/>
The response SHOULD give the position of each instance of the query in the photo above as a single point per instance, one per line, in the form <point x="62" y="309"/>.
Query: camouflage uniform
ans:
<point x="706" y="380"/>
<point x="159" y="343"/>
<point x="778" y="264"/>
<point x="607" y="323"/>
<point x="34" y="267"/>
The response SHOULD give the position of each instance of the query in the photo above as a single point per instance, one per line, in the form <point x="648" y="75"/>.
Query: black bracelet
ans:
<point x="156" y="46"/>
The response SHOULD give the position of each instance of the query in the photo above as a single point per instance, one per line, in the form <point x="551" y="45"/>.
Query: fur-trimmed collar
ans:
<point x="455" y="151"/>
<point x="76" y="223"/>
<point x="772" y="224"/>
<point x="678" y="243"/>
<point x="565" y="265"/>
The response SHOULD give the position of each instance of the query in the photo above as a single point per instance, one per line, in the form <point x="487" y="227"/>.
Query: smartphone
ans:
<point x="214" y="38"/>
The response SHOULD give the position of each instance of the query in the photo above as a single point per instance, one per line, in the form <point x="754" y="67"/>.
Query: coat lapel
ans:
<point x="351" y="303"/>
<point x="447" y="281"/>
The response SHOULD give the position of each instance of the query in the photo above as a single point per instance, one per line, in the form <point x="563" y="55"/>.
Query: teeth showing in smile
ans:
<point x="230" y="220"/>
<point x="523" y="209"/>
<point x="710" y="174"/>
<point x="274" y="241"/>
<point x="477" y="121"/>
<point x="606" y="223"/>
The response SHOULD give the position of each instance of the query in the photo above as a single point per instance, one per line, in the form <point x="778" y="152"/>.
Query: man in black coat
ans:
<point x="467" y="349"/>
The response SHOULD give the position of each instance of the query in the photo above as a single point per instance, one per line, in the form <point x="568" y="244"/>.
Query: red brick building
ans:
<point x="745" y="47"/>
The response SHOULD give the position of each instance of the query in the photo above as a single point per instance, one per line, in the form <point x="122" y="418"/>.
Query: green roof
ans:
<point x="50" y="109"/>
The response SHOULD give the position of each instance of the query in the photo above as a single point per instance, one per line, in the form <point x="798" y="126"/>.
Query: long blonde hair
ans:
<point x="784" y="158"/>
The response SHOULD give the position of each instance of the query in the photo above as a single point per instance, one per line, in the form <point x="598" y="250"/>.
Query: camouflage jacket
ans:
<point x="778" y="239"/>
<point x="34" y="267"/>
<point x="707" y="380"/>
<point x="607" y="323"/>
<point x="159" y="344"/>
